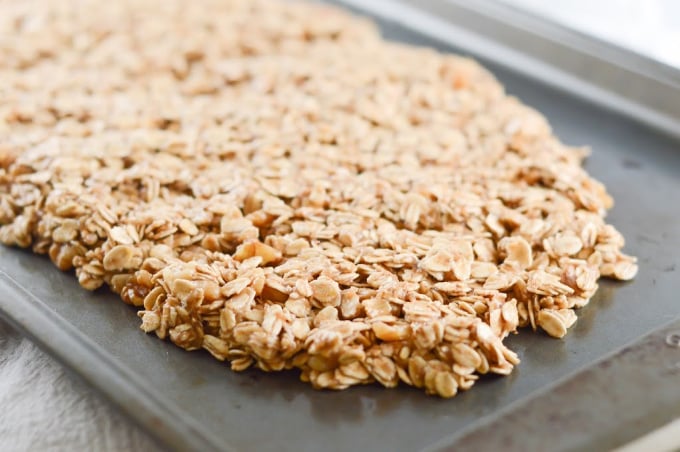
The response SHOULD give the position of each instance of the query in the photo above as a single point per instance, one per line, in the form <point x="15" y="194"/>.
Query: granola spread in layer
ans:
<point x="274" y="183"/>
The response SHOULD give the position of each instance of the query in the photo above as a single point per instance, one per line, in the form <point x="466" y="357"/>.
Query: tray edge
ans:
<point x="54" y="335"/>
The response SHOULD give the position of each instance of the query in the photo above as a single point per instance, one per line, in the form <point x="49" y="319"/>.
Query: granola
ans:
<point x="274" y="183"/>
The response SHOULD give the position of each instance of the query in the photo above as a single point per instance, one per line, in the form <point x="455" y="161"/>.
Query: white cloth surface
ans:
<point x="44" y="409"/>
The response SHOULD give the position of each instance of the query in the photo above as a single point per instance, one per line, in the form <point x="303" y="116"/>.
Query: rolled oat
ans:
<point x="274" y="183"/>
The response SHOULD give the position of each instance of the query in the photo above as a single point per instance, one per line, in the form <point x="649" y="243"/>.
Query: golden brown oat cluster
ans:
<point x="274" y="183"/>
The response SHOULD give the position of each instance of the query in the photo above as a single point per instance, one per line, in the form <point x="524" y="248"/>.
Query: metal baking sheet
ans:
<point x="189" y="401"/>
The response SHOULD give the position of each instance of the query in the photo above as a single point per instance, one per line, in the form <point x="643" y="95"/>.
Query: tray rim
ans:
<point x="580" y="41"/>
<point x="605" y="80"/>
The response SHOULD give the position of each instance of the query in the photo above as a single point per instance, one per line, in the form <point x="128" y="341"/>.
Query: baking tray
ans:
<point x="599" y="387"/>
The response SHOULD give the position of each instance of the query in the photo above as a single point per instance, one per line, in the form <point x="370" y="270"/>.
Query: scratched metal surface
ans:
<point x="192" y="402"/>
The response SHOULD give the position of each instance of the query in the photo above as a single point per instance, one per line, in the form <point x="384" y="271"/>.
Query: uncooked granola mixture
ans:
<point x="274" y="183"/>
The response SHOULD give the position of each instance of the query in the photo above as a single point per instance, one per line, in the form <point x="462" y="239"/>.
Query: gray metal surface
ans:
<point x="192" y="402"/>
<point x="613" y="402"/>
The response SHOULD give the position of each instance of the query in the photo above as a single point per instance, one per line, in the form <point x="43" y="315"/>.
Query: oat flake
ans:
<point x="274" y="183"/>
